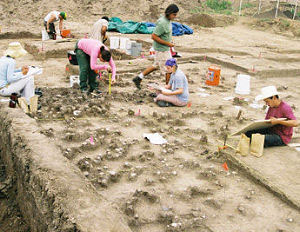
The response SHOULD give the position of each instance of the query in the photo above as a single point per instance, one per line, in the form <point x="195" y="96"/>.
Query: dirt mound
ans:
<point x="270" y="14"/>
<point x="80" y="11"/>
<point x="19" y="35"/>
<point x="203" y="20"/>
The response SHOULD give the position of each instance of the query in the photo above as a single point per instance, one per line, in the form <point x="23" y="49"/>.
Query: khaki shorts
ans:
<point x="160" y="60"/>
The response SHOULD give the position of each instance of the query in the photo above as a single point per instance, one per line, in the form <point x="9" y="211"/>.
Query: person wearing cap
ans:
<point x="50" y="19"/>
<point x="162" y="42"/>
<point x="282" y="130"/>
<point x="177" y="91"/>
<point x="87" y="53"/>
<point x="99" y="29"/>
<point x="11" y="79"/>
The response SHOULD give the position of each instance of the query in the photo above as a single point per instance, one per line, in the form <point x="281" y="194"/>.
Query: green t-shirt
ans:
<point x="163" y="30"/>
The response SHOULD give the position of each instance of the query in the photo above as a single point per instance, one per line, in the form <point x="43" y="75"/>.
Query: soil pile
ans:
<point x="203" y="20"/>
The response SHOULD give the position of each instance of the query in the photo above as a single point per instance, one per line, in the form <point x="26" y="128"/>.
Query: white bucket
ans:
<point x="128" y="46"/>
<point x="242" y="84"/>
<point x="73" y="80"/>
<point x="123" y="43"/>
<point x="45" y="35"/>
<point x="114" y="42"/>
<point x="136" y="49"/>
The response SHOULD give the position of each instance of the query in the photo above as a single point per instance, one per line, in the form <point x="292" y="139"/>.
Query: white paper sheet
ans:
<point x="33" y="71"/>
<point x="155" y="138"/>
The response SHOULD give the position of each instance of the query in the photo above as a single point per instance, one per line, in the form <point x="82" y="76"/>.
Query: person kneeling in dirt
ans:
<point x="99" y="29"/>
<point x="49" y="21"/>
<point x="12" y="80"/>
<point x="176" y="92"/>
<point x="87" y="53"/>
<point x="282" y="130"/>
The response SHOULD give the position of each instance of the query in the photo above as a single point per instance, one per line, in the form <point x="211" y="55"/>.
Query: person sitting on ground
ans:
<point x="177" y="91"/>
<point x="162" y="37"/>
<point x="99" y="29"/>
<point x="12" y="80"/>
<point x="49" y="21"/>
<point x="87" y="53"/>
<point x="282" y="130"/>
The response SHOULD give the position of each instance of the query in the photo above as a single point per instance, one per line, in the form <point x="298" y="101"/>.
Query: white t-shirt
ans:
<point x="56" y="13"/>
<point x="97" y="27"/>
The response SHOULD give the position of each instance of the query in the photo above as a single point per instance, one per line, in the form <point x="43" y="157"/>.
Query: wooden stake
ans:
<point x="277" y="6"/>
<point x="295" y="11"/>
<point x="240" y="10"/>
<point x="109" y="83"/>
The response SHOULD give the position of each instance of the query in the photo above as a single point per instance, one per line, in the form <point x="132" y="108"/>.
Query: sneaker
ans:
<point x="137" y="81"/>
<point x="96" y="91"/>
<point x="84" y="91"/>
<point x="153" y="95"/>
<point x="177" y="55"/>
<point x="162" y="103"/>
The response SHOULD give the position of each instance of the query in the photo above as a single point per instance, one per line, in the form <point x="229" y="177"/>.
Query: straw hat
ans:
<point x="267" y="92"/>
<point x="15" y="50"/>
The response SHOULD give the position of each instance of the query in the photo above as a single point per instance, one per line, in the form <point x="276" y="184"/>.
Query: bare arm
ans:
<point x="60" y="25"/>
<point x="161" y="41"/>
<point x="168" y="86"/>
<point x="103" y="31"/>
<point x="289" y="123"/>
<point x="51" y="20"/>
<point x="176" y="92"/>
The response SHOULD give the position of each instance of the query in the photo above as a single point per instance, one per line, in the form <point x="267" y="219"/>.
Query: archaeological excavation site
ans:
<point x="114" y="160"/>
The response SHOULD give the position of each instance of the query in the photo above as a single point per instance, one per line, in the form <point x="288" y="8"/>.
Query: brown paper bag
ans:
<point x="34" y="104"/>
<point x="257" y="145"/>
<point x="23" y="104"/>
<point x="243" y="146"/>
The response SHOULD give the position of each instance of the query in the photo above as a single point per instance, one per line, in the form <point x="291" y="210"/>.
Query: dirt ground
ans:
<point x="179" y="186"/>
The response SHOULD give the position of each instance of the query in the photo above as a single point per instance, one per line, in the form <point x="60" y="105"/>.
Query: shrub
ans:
<point x="218" y="5"/>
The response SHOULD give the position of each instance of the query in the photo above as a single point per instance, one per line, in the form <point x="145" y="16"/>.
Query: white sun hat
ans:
<point x="15" y="50"/>
<point x="267" y="92"/>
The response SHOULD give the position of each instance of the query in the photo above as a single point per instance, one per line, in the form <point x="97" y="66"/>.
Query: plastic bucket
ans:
<point x="74" y="79"/>
<point x="114" y="42"/>
<point x="45" y="35"/>
<point x="213" y="75"/>
<point x="123" y="43"/>
<point x="128" y="46"/>
<point x="65" y="33"/>
<point x="136" y="49"/>
<point x="242" y="84"/>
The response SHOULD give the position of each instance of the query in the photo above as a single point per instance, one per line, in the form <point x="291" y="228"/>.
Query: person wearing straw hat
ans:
<point x="99" y="29"/>
<point x="162" y="42"/>
<point x="12" y="80"/>
<point x="50" y="19"/>
<point x="176" y="92"/>
<point x="282" y="130"/>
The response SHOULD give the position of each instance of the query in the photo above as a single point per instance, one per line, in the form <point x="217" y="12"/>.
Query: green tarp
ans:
<point x="129" y="27"/>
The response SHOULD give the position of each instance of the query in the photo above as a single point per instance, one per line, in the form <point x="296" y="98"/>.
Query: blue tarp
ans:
<point x="131" y="27"/>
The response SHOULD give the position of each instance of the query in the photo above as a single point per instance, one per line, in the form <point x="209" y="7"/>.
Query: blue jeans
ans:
<point x="271" y="139"/>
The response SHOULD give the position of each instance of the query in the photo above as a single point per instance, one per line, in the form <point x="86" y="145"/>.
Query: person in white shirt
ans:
<point x="50" y="19"/>
<point x="99" y="29"/>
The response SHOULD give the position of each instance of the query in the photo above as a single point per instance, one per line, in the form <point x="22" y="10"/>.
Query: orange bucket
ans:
<point x="213" y="75"/>
<point x="65" y="33"/>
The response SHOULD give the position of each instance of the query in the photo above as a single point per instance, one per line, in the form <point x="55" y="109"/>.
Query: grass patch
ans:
<point x="247" y="5"/>
<point x="219" y="5"/>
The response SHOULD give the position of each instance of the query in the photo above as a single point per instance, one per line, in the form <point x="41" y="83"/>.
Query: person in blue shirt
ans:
<point x="177" y="91"/>
<point x="11" y="79"/>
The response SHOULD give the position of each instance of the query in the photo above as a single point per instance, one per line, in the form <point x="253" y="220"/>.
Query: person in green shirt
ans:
<point x="162" y="42"/>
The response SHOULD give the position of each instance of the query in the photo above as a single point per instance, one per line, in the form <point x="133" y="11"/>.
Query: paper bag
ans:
<point x="257" y="145"/>
<point x="243" y="146"/>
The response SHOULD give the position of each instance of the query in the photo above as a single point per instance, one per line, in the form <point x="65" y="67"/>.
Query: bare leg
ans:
<point x="137" y="80"/>
<point x="149" y="70"/>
